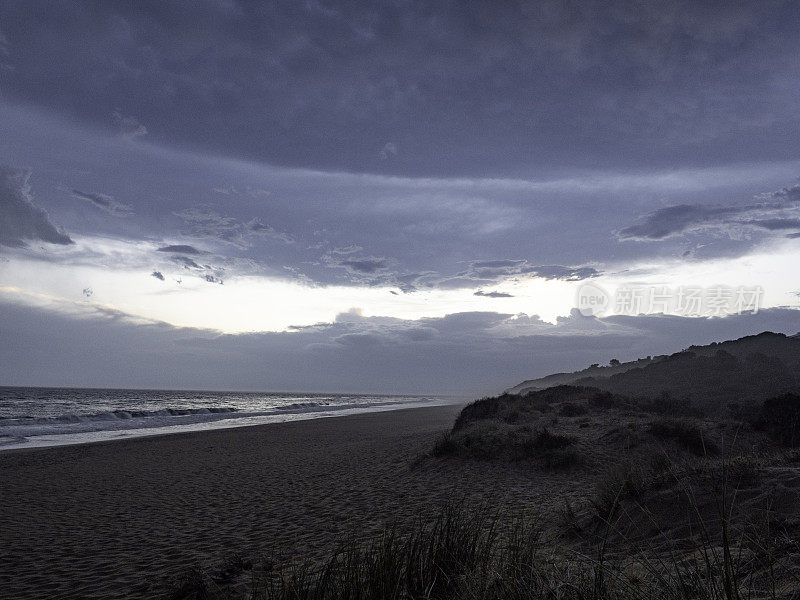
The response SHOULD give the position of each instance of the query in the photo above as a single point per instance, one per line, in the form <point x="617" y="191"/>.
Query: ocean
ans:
<point x="31" y="417"/>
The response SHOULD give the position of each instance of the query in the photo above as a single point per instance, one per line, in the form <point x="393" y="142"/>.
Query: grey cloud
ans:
<point x="370" y="270"/>
<point x="247" y="191"/>
<point x="459" y="325"/>
<point x="673" y="220"/>
<point x="719" y="247"/>
<point x="421" y="334"/>
<point x="208" y="273"/>
<point x="351" y="249"/>
<point x="360" y="340"/>
<point x="451" y="83"/>
<point x="365" y="265"/>
<point x="210" y="224"/>
<point x="553" y="221"/>
<point x="455" y="283"/>
<point x="5" y="65"/>
<point x="467" y="353"/>
<point x="775" y="224"/>
<point x="773" y="211"/>
<point x="158" y="275"/>
<point x="563" y="273"/>
<point x="256" y="227"/>
<point x="788" y="194"/>
<point x="181" y="249"/>
<point x="205" y="223"/>
<point x="103" y="202"/>
<point x="496" y="264"/>
<point x="502" y="269"/>
<point x="186" y="262"/>
<point x="389" y="149"/>
<point x="20" y="219"/>
<point x="493" y="294"/>
<point x="793" y="235"/>
<point x="490" y="272"/>
<point x="129" y="127"/>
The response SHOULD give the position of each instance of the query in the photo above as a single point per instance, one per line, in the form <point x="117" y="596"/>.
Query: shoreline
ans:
<point x="234" y="422"/>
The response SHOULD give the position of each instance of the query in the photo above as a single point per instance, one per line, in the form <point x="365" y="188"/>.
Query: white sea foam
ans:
<point x="34" y="418"/>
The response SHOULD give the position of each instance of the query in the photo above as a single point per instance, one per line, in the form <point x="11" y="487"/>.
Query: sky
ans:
<point x="392" y="197"/>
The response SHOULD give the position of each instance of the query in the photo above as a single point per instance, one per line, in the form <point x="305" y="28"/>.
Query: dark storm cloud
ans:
<point x="186" y="262"/>
<point x="20" y="219"/>
<point x="673" y="220"/>
<point x="180" y="249"/>
<point x="445" y="87"/>
<point x="774" y="211"/>
<point x="429" y="230"/>
<point x="103" y="202"/>
<point x="158" y="275"/>
<point x="493" y="294"/>
<point x="208" y="273"/>
<point x="775" y="224"/>
<point x="360" y="268"/>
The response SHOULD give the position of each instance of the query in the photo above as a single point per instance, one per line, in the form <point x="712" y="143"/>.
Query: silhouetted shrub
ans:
<point x="485" y="408"/>
<point x="780" y="416"/>
<point x="686" y="434"/>
<point x="511" y="408"/>
<point x="618" y="483"/>
<point x="492" y="439"/>
<point x="444" y="445"/>
<point x="609" y="400"/>
<point x="549" y="441"/>
<point x="557" y="460"/>
<point x="670" y="405"/>
<point x="568" y="409"/>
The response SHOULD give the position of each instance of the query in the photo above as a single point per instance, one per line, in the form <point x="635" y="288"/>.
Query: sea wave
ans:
<point x="46" y="417"/>
<point x="131" y="419"/>
<point x="116" y="420"/>
<point x="113" y="415"/>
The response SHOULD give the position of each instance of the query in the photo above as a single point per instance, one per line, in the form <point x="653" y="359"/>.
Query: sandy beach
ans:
<point x="123" y="519"/>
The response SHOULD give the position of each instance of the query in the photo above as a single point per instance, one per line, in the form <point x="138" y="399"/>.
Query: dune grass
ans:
<point x="471" y="553"/>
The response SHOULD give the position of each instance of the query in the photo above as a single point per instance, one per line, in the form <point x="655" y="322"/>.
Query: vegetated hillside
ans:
<point x="663" y="484"/>
<point x="743" y="371"/>
<point x="593" y="371"/>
